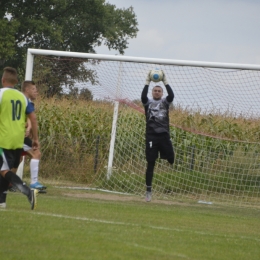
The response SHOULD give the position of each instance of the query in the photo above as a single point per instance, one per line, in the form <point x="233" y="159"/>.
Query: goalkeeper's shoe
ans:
<point x="38" y="186"/>
<point x="33" y="198"/>
<point x="148" y="196"/>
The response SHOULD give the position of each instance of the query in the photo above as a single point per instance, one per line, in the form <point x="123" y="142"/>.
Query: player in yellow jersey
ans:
<point x="14" y="110"/>
<point x="29" y="89"/>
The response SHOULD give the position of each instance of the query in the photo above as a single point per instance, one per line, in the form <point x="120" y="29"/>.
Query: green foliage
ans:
<point x="219" y="125"/>
<point x="69" y="131"/>
<point x="85" y="94"/>
<point x="55" y="77"/>
<point x="69" y="25"/>
<point x="7" y="40"/>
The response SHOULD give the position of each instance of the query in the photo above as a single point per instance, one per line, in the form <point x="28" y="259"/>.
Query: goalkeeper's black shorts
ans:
<point x="159" y="144"/>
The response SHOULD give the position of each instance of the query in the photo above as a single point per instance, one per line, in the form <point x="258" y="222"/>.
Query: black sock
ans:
<point x="3" y="189"/>
<point x="17" y="182"/>
<point x="4" y="184"/>
<point x="3" y="197"/>
<point x="149" y="188"/>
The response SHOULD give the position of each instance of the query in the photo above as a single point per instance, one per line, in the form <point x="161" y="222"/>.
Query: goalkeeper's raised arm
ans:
<point x="170" y="96"/>
<point x="144" y="97"/>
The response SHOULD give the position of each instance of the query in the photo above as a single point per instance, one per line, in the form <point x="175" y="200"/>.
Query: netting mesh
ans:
<point x="214" y="128"/>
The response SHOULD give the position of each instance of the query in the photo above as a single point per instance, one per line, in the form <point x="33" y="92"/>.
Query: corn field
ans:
<point x="75" y="139"/>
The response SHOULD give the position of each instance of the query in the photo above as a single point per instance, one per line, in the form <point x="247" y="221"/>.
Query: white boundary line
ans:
<point x="95" y="189"/>
<point x="132" y="224"/>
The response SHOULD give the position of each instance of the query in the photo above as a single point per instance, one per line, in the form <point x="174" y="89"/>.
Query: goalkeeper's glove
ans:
<point x="164" y="80"/>
<point x="148" y="79"/>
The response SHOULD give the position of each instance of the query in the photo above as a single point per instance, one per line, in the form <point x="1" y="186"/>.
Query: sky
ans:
<point x="226" y="31"/>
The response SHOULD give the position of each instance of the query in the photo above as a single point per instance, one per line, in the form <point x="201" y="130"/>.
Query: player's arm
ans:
<point x="170" y="96"/>
<point x="34" y="125"/>
<point x="35" y="138"/>
<point x="28" y="127"/>
<point x="144" y="97"/>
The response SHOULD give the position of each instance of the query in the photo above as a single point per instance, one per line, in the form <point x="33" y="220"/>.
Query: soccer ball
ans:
<point x="156" y="75"/>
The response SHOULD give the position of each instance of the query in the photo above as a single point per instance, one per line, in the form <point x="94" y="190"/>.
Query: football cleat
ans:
<point x="148" y="196"/>
<point x="38" y="186"/>
<point x="33" y="198"/>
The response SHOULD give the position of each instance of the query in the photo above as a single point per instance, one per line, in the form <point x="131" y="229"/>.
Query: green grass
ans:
<point x="75" y="224"/>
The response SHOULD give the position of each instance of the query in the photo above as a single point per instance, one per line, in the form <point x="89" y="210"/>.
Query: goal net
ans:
<point x="92" y="126"/>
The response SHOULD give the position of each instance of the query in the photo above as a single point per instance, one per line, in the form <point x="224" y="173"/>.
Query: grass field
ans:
<point x="78" y="224"/>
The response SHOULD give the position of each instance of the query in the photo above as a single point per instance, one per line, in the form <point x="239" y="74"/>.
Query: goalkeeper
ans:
<point x="157" y="129"/>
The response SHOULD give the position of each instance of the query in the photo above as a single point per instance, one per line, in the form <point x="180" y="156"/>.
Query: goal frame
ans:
<point x="31" y="53"/>
<point x="219" y="65"/>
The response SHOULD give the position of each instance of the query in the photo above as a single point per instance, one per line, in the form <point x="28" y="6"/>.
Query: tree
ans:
<point x="85" y="94"/>
<point x="71" y="25"/>
<point x="7" y="39"/>
<point x="58" y="75"/>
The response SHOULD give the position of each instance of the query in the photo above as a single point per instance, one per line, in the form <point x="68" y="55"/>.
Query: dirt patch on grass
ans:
<point x="119" y="197"/>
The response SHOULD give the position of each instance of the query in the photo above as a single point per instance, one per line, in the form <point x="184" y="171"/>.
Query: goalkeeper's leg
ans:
<point x="149" y="175"/>
<point x="151" y="151"/>
<point x="149" y="179"/>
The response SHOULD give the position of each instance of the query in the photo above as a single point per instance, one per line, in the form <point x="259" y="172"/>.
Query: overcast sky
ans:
<point x="199" y="30"/>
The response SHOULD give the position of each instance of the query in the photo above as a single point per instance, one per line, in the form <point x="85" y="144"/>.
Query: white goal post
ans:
<point x="216" y="161"/>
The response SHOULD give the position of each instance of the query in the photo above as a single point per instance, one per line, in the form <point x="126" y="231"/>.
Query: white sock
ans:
<point x="34" y="169"/>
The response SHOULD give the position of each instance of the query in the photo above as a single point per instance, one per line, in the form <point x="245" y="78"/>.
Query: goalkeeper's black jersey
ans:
<point x="157" y="116"/>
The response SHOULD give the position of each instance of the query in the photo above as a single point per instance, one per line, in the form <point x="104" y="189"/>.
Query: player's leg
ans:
<point x="151" y="156"/>
<point x="7" y="162"/>
<point x="166" y="149"/>
<point x="149" y="179"/>
<point x="34" y="169"/>
<point x="20" y="168"/>
<point x="34" y="164"/>
<point x="16" y="164"/>
<point x="4" y="184"/>
<point x="149" y="175"/>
